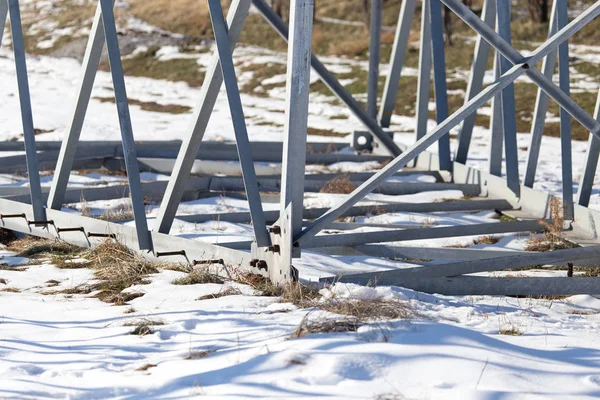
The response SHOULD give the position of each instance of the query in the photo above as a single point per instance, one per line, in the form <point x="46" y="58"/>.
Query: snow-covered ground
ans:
<point x="75" y="346"/>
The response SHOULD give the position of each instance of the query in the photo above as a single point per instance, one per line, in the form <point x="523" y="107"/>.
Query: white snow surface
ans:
<point x="56" y="345"/>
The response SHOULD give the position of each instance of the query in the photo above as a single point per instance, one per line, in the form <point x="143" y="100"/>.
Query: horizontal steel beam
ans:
<point x="398" y="276"/>
<point x="352" y="239"/>
<point x="512" y="286"/>
<point x="311" y="213"/>
<point x="97" y="231"/>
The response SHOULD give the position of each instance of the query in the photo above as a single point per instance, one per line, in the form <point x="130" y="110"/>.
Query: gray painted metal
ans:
<point x="413" y="151"/>
<point x="68" y="150"/>
<point x="239" y="123"/>
<point x="331" y="82"/>
<point x="396" y="277"/>
<point x="191" y="145"/>
<point x="376" y="209"/>
<point x="439" y="79"/>
<point x="541" y="107"/>
<point x="395" y="235"/>
<point x="483" y="286"/>
<point x="496" y="127"/>
<point x="133" y="173"/>
<point x="478" y="68"/>
<point x="565" y="119"/>
<point x="296" y="112"/>
<point x="424" y="78"/>
<point x="374" y="56"/>
<point x="37" y="202"/>
<point x="392" y="83"/>
<point x="509" y="113"/>
<point x="194" y="249"/>
<point x="3" y="17"/>
<point x="584" y="191"/>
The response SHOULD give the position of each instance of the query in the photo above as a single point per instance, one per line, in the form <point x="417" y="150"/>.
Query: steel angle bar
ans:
<point x="67" y="155"/>
<point x="96" y="231"/>
<point x="496" y="127"/>
<point x="3" y="17"/>
<point x="478" y="68"/>
<point x="374" y="56"/>
<point x="35" y="189"/>
<point x="537" y="55"/>
<point x="152" y="190"/>
<point x="413" y="151"/>
<point x="584" y="191"/>
<point x="439" y="80"/>
<point x="398" y="276"/>
<point x="331" y="82"/>
<point x="192" y="142"/>
<point x="295" y="124"/>
<point x="351" y="239"/>
<point x="565" y="119"/>
<point x="424" y="78"/>
<point x="509" y="113"/>
<point x="392" y="83"/>
<point x="239" y="123"/>
<point x="133" y="173"/>
<point x="541" y="107"/>
<point x="375" y="209"/>
<point x="484" y="286"/>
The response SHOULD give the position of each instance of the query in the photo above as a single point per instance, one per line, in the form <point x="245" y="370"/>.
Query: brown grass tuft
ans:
<point x="11" y="290"/>
<point x="325" y="325"/>
<point x="369" y="310"/>
<point x="297" y="293"/>
<point x="194" y="355"/>
<point x="488" y="239"/>
<point x="340" y="184"/>
<point x="197" y="276"/>
<point x="230" y="291"/>
<point x="145" y="367"/>
<point x="512" y="331"/>
<point x="553" y="236"/>
<point x="7" y="237"/>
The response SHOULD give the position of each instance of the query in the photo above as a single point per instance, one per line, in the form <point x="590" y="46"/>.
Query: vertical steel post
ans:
<point x="509" y="113"/>
<point x="562" y="19"/>
<point x="192" y="142"/>
<point x="296" y="111"/>
<point x="66" y="156"/>
<point x="424" y="78"/>
<point x="35" y="189"/>
<point x="478" y="68"/>
<point x="584" y="191"/>
<point x="374" y="55"/>
<point x="239" y="124"/>
<point x="129" y="153"/>
<point x="439" y="80"/>
<point x="541" y="107"/>
<point x="392" y="83"/>
<point x="496" y="127"/>
<point x="3" y="16"/>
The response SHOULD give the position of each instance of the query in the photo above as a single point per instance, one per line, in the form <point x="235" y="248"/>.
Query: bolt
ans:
<point x="275" y="248"/>
<point x="253" y="262"/>
<point x="525" y="66"/>
<point x="275" y="229"/>
<point x="262" y="264"/>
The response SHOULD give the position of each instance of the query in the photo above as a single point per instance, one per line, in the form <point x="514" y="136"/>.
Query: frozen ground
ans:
<point x="75" y="346"/>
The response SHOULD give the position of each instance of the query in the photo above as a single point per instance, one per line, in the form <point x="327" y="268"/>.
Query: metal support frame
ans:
<point x="274" y="248"/>
<point x="3" y="17"/>
<point x="239" y="123"/>
<point x="192" y="142"/>
<point x="35" y="189"/>
<point x="392" y="83"/>
<point x="480" y="60"/>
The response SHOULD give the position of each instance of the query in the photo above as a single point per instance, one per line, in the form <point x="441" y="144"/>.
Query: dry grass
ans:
<point x="325" y="325"/>
<point x="297" y="293"/>
<point x="340" y="184"/>
<point x="198" y="276"/>
<point x="3" y="281"/>
<point x="11" y="290"/>
<point x="7" y="237"/>
<point x="194" y="355"/>
<point x="512" y="331"/>
<point x="369" y="310"/>
<point x="230" y="291"/>
<point x="488" y="239"/>
<point x="553" y="236"/>
<point x="145" y="367"/>
<point x="143" y="327"/>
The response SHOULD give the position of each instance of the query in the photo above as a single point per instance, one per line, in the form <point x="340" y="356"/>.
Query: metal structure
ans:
<point x="281" y="236"/>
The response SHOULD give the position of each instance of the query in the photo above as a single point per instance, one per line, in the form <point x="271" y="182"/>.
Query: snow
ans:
<point x="56" y="345"/>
